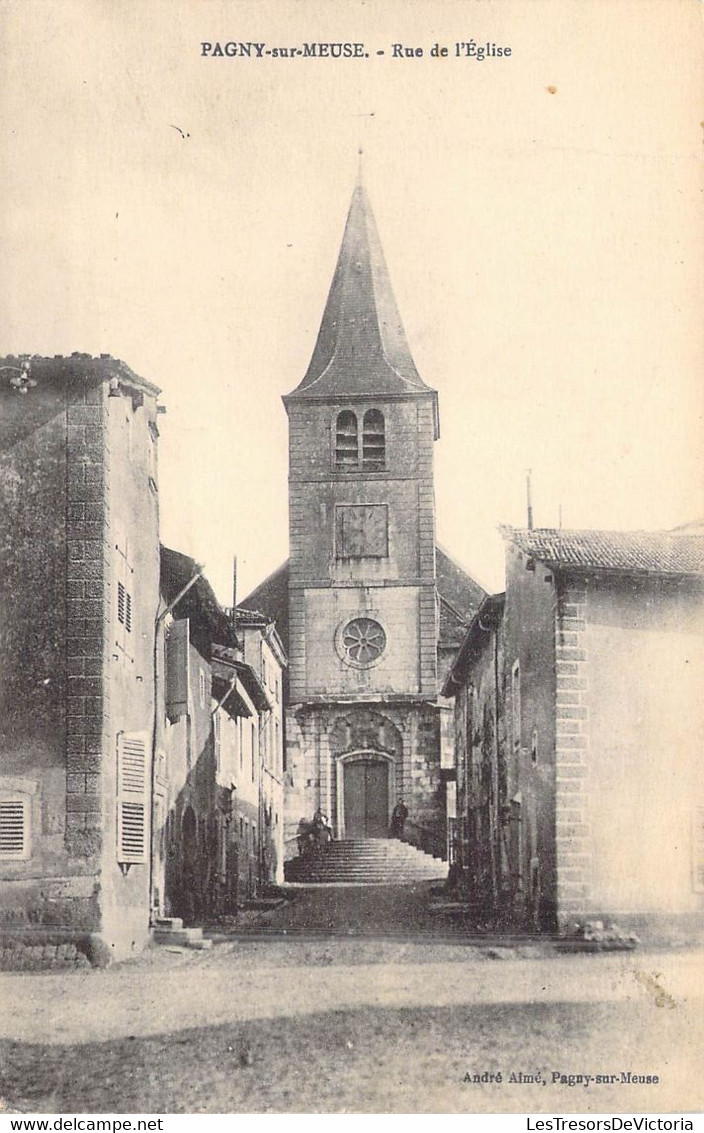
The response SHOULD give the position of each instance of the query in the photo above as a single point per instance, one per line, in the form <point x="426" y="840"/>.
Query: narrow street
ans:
<point x="266" y="1023"/>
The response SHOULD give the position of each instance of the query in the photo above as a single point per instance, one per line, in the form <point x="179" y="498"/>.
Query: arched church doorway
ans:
<point x="366" y="790"/>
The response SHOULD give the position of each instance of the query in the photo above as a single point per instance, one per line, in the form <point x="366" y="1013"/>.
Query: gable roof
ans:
<point x="271" y="598"/>
<point x="459" y="590"/>
<point x="361" y="349"/>
<point x="451" y="628"/>
<point x="486" y="620"/>
<point x="460" y="598"/>
<point x="640" y="552"/>
<point x="210" y="622"/>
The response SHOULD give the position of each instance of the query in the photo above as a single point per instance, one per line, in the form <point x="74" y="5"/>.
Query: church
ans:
<point x="371" y="611"/>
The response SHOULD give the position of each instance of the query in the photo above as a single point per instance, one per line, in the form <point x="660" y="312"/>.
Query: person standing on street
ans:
<point x="398" y="817"/>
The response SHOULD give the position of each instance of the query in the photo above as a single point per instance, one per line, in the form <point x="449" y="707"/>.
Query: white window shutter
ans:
<point x="132" y="795"/>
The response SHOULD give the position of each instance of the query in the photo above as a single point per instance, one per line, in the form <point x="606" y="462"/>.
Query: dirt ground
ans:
<point x="367" y="1060"/>
<point x="355" y="1024"/>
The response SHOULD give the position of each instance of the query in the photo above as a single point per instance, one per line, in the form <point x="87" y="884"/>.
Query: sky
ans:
<point x="541" y="215"/>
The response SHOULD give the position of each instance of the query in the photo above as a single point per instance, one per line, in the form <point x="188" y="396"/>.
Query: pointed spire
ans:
<point x="361" y="349"/>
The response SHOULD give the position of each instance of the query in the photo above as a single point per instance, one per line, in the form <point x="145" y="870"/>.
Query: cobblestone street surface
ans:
<point x="383" y="910"/>
<point x="353" y="1024"/>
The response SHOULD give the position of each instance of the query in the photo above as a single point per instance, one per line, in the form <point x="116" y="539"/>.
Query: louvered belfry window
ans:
<point x="14" y="828"/>
<point x="373" y="441"/>
<point x="346" y="440"/>
<point x="132" y="797"/>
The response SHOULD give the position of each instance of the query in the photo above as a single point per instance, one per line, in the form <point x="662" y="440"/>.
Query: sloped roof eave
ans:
<point x="663" y="554"/>
<point x="485" y="622"/>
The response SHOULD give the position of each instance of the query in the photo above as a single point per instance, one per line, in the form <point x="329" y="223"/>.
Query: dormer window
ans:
<point x="367" y="452"/>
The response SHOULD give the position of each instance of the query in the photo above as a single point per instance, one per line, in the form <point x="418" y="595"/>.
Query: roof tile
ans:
<point x="650" y="552"/>
<point x="361" y="348"/>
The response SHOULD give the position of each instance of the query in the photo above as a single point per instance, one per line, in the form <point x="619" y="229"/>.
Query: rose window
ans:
<point x="363" y="641"/>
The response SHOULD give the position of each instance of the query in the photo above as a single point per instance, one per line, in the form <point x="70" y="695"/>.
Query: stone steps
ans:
<point x="369" y="861"/>
<point x="170" y="930"/>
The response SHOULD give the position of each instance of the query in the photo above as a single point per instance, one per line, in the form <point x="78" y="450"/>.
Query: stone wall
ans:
<point x="407" y="735"/>
<point x="573" y="834"/>
<point x="63" y="470"/>
<point x="629" y="731"/>
<point x="53" y="518"/>
<point x="533" y="661"/>
<point x="406" y="489"/>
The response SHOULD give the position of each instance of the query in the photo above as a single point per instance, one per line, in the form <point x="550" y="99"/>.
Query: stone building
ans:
<point x="578" y="717"/>
<point x="359" y="601"/>
<point x="482" y="858"/>
<point x="131" y="772"/>
<point x="80" y="595"/>
<point x="218" y="827"/>
<point x="265" y="654"/>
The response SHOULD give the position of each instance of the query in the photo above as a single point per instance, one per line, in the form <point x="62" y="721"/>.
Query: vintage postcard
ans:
<point x="352" y="558"/>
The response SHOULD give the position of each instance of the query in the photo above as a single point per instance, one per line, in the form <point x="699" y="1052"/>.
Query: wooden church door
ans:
<point x="366" y="787"/>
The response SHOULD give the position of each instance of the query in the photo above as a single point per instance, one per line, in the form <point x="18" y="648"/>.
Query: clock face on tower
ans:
<point x="361" y="531"/>
<point x="361" y="642"/>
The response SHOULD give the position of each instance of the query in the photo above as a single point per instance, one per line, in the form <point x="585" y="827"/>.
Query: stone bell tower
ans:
<point x="363" y="724"/>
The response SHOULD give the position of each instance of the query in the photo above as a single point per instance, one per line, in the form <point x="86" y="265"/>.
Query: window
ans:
<point x="14" y="827"/>
<point x="361" y="642"/>
<point x="516" y="704"/>
<point x="252" y="746"/>
<point x="124" y="607"/>
<point x="152" y="434"/>
<point x="516" y="841"/>
<point x="123" y="572"/>
<point x="217" y="738"/>
<point x="131" y="797"/>
<point x="346" y="440"/>
<point x="535" y="882"/>
<point x="370" y="454"/>
<point x="177" y="669"/>
<point x="201" y="688"/>
<point x="373" y="441"/>
<point x="361" y="531"/>
<point x="534" y="746"/>
<point x="266" y="729"/>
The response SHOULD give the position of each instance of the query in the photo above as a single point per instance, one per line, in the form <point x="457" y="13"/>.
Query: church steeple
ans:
<point x="361" y="349"/>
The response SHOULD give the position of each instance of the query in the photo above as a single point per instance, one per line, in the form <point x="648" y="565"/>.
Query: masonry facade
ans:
<point x="218" y="825"/>
<point x="594" y="783"/>
<point x="137" y="742"/>
<point x="362" y="609"/>
<point x="80" y="583"/>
